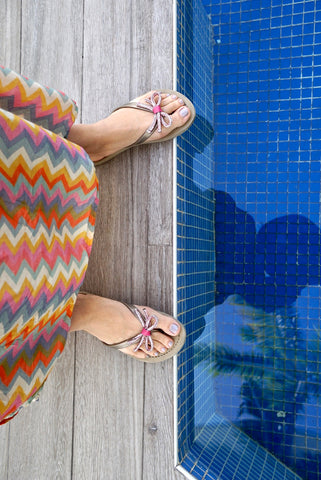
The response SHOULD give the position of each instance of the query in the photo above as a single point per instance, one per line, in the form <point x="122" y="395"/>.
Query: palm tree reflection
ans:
<point x="279" y="369"/>
<point x="263" y="273"/>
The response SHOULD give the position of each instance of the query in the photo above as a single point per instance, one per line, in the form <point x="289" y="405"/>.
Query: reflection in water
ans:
<point x="265" y="346"/>
<point x="276" y="357"/>
<point x="279" y="372"/>
<point x="269" y="268"/>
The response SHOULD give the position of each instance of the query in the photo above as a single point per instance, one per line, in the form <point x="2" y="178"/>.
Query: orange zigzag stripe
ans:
<point x="32" y="173"/>
<point x="73" y="220"/>
<point x="36" y="325"/>
<point x="27" y="365"/>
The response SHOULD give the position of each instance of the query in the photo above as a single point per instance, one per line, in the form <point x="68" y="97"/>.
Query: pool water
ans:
<point x="249" y="239"/>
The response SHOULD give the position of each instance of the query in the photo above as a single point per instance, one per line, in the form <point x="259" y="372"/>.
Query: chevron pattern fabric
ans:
<point x="48" y="202"/>
<point x="44" y="106"/>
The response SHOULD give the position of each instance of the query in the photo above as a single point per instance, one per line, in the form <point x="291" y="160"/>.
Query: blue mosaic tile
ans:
<point x="252" y="315"/>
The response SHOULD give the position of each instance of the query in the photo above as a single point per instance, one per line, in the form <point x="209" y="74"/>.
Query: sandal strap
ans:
<point x="160" y="119"/>
<point x="148" y="322"/>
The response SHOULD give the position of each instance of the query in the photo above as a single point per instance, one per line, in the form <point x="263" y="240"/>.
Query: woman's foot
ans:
<point x="124" y="126"/>
<point x="112" y="322"/>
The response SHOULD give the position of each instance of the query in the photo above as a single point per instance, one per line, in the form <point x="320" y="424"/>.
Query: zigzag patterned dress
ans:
<point x="48" y="201"/>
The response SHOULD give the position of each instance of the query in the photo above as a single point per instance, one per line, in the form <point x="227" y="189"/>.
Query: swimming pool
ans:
<point x="248" y="240"/>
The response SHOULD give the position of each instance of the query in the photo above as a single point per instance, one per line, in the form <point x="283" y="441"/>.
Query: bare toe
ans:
<point x="162" y="341"/>
<point x="175" y="107"/>
<point x="140" y="354"/>
<point x="171" y="103"/>
<point x="163" y="337"/>
<point x="167" y="324"/>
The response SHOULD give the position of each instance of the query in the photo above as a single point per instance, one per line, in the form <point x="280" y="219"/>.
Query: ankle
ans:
<point x="108" y="320"/>
<point x="86" y="136"/>
<point x="81" y="315"/>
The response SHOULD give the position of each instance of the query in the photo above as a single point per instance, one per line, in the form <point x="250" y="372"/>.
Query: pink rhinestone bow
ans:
<point x="145" y="335"/>
<point x="160" y="118"/>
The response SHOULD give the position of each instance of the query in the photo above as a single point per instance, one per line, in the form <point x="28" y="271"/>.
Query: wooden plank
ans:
<point x="52" y="44"/>
<point x="51" y="53"/>
<point x="10" y="17"/>
<point x="110" y="261"/>
<point x="106" y="57"/>
<point x="108" y="413"/>
<point x="106" y="86"/>
<point x="109" y="385"/>
<point x="151" y="64"/>
<point x="160" y="204"/>
<point x="158" y="411"/>
<point x="4" y="451"/>
<point x="40" y="435"/>
<point x="160" y="216"/>
<point x="140" y="83"/>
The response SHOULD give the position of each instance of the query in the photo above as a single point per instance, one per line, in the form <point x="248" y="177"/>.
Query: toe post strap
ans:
<point x="161" y="119"/>
<point x="148" y="322"/>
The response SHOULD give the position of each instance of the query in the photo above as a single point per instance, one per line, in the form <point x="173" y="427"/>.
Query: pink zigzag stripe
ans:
<point x="66" y="252"/>
<point x="42" y="110"/>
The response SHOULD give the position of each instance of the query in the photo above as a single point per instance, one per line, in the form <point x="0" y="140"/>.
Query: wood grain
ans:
<point x="108" y="413"/>
<point x="158" y="411"/>
<point x="40" y="443"/>
<point x="4" y="451"/>
<point x="109" y="386"/>
<point x="52" y="41"/>
<point x="10" y="33"/>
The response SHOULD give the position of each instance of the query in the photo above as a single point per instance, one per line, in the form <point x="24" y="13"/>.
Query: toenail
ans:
<point x="170" y="344"/>
<point x="174" y="96"/>
<point x="183" y="112"/>
<point x="181" y="101"/>
<point x="163" y="350"/>
<point x="174" y="328"/>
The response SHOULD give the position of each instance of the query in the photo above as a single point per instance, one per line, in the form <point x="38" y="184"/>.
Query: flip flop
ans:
<point x="161" y="119"/>
<point x="149" y="323"/>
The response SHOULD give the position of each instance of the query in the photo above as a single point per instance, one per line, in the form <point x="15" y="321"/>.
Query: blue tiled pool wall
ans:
<point x="195" y="207"/>
<point x="266" y="187"/>
<point x="209" y="447"/>
<point x="267" y="156"/>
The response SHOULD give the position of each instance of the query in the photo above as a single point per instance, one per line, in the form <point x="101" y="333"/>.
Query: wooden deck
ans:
<point x="102" y="415"/>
